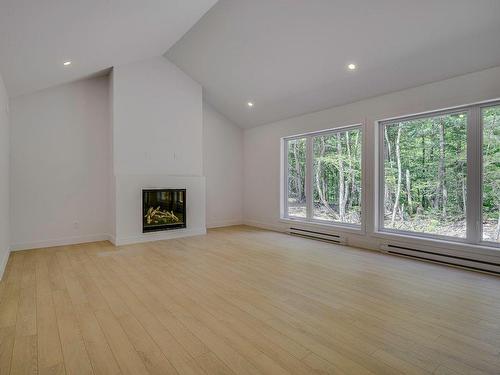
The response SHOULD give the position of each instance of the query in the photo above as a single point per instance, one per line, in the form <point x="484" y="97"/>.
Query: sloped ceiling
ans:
<point x="289" y="56"/>
<point x="37" y="36"/>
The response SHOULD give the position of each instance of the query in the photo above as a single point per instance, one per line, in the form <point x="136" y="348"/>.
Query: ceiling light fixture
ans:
<point x="351" y="66"/>
<point x="66" y="63"/>
<point x="250" y="104"/>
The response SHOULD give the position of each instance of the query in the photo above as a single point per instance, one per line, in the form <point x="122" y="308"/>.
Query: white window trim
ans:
<point x="481" y="106"/>
<point x="474" y="178"/>
<point x="357" y="228"/>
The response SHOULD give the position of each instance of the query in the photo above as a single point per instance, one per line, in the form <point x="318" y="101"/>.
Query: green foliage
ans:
<point x="431" y="173"/>
<point x="425" y="175"/>
<point x="296" y="170"/>
<point x="433" y="152"/>
<point x="337" y="176"/>
<point x="491" y="161"/>
<point x="491" y="170"/>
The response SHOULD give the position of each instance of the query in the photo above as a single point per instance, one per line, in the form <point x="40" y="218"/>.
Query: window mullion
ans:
<point x="380" y="208"/>
<point x="309" y="177"/>
<point x="473" y="212"/>
<point x="285" y="178"/>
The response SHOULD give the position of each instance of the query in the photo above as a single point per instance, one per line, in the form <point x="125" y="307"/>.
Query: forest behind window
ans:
<point x="337" y="177"/>
<point x="439" y="175"/>
<point x="491" y="173"/>
<point x="425" y="175"/>
<point x="296" y="185"/>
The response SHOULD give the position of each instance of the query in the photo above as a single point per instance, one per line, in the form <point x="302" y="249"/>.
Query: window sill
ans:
<point x="348" y="228"/>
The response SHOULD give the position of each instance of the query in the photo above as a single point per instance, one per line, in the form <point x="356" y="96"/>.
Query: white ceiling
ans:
<point x="37" y="36"/>
<point x="290" y="56"/>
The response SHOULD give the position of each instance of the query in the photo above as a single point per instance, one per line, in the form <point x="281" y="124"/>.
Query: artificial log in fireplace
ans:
<point x="163" y="209"/>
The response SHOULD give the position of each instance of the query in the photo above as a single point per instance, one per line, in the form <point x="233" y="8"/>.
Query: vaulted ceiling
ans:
<point x="286" y="56"/>
<point x="290" y="56"/>
<point x="37" y="36"/>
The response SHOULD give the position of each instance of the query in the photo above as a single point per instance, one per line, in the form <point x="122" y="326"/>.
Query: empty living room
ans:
<point x="203" y="187"/>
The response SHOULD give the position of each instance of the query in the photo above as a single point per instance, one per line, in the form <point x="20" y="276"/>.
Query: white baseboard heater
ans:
<point x="316" y="235"/>
<point x="447" y="259"/>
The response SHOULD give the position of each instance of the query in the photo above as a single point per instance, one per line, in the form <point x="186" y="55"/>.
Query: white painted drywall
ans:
<point x="223" y="168"/>
<point x="60" y="165"/>
<point x="290" y="57"/>
<point x="37" y="36"/>
<point x="112" y="187"/>
<point x="4" y="177"/>
<point x="157" y="119"/>
<point x="262" y="144"/>
<point x="157" y="143"/>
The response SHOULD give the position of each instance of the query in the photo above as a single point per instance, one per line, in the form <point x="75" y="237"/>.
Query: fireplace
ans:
<point x="163" y="209"/>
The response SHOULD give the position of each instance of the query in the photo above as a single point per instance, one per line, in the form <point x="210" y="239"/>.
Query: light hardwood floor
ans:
<point x="243" y="301"/>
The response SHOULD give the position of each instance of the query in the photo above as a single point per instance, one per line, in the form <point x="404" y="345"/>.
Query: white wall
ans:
<point x="4" y="178"/>
<point x="60" y="165"/>
<point x="157" y="143"/>
<point x="223" y="168"/>
<point x="157" y="119"/>
<point x="262" y="144"/>
<point x="112" y="185"/>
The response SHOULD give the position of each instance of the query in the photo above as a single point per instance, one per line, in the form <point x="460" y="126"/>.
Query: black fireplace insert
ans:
<point x="163" y="209"/>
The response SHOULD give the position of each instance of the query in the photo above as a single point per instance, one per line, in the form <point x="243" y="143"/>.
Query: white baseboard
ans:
<point x="224" y="223"/>
<point x="117" y="241"/>
<point x="112" y="239"/>
<point x="60" y="242"/>
<point x="159" y="236"/>
<point x="3" y="263"/>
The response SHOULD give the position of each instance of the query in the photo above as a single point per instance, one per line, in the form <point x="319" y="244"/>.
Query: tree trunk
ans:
<point x="389" y="152"/>
<point x="442" y="191"/>
<point x="497" y="231"/>
<point x="408" y="192"/>
<point x="387" y="190"/>
<point x="320" y="182"/>
<point x="350" y="173"/>
<point x="298" y="173"/>
<point x="492" y="131"/>
<point x="341" y="180"/>
<point x="464" y="194"/>
<point x="353" y="177"/>
<point x="398" y="187"/>
<point x="459" y="181"/>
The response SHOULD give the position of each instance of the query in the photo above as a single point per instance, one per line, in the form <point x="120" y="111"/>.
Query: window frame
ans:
<point x="481" y="170"/>
<point x="474" y="202"/>
<point x="285" y="175"/>
<point x="309" y="219"/>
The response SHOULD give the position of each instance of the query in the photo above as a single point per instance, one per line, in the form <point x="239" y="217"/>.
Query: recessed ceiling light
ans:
<point x="351" y="66"/>
<point x="250" y="104"/>
<point x="66" y="63"/>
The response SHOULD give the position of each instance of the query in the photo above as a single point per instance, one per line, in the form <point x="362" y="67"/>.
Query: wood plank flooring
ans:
<point x="243" y="301"/>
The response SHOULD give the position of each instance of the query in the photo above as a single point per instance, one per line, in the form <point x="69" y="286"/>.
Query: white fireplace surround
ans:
<point x="128" y="221"/>
<point x="157" y="142"/>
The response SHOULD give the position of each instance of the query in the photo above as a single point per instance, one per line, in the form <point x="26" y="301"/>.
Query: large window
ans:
<point x="440" y="175"/>
<point x="296" y="171"/>
<point x="425" y="171"/>
<point x="491" y="173"/>
<point x="337" y="177"/>
<point x="323" y="176"/>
